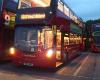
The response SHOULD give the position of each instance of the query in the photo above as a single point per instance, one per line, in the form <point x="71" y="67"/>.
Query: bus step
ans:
<point x="58" y="64"/>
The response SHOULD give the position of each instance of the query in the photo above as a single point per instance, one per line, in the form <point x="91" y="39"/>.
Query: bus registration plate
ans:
<point x="28" y="64"/>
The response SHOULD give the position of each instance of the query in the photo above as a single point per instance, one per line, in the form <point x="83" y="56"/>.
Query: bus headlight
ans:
<point x="49" y="53"/>
<point x="12" y="50"/>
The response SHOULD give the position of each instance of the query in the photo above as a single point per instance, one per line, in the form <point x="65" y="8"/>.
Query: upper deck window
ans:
<point x="40" y="3"/>
<point x="60" y="6"/>
<point x="34" y="3"/>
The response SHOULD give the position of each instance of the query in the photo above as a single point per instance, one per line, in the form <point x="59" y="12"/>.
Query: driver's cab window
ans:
<point x="31" y="35"/>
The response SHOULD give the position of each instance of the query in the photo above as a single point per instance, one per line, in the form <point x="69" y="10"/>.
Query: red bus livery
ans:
<point x="47" y="34"/>
<point x="95" y="38"/>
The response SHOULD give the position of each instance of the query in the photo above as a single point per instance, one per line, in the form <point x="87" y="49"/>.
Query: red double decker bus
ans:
<point x="47" y="34"/>
<point x="7" y="21"/>
<point x="95" y="38"/>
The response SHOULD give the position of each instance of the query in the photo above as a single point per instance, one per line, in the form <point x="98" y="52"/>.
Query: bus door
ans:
<point x="66" y="43"/>
<point x="45" y="38"/>
<point x="48" y="39"/>
<point x="58" y="46"/>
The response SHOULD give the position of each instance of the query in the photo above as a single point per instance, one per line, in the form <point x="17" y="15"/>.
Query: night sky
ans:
<point x="86" y="9"/>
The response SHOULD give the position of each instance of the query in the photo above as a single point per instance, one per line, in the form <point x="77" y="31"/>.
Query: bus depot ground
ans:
<point x="84" y="67"/>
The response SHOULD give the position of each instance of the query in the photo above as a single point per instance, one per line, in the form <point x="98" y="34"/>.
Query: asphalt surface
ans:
<point x="84" y="67"/>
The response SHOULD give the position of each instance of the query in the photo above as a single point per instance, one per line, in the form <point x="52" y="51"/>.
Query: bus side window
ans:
<point x="71" y="39"/>
<point x="66" y="41"/>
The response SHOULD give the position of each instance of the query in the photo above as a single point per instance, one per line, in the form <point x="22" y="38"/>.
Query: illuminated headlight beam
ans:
<point x="12" y="50"/>
<point x="49" y="53"/>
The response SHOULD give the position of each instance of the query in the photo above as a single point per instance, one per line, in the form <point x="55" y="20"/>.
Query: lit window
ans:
<point x="34" y="3"/>
<point x="40" y="3"/>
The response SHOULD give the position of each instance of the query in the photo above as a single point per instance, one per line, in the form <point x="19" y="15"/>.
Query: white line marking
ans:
<point x="77" y="71"/>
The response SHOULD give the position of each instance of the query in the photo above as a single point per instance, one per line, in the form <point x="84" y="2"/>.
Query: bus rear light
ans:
<point x="12" y="51"/>
<point x="49" y="53"/>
